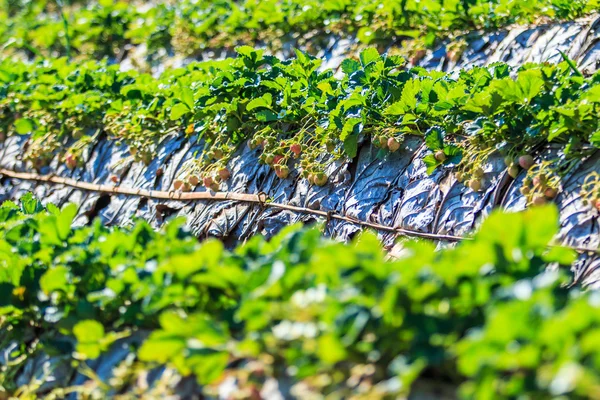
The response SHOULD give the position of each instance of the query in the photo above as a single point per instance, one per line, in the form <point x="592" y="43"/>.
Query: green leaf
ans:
<point x="209" y="366"/>
<point x="351" y="126"/>
<point x="88" y="331"/>
<point x="65" y="219"/>
<point x="23" y="126"/>
<point x="561" y="255"/>
<point x="266" y="116"/>
<point x="187" y="97"/>
<point x="431" y="163"/>
<point x="6" y="291"/>
<point x="161" y="347"/>
<point x="265" y="101"/>
<point x="178" y="110"/>
<point x="350" y="66"/>
<point x="89" y="335"/>
<point x="434" y="138"/>
<point x="54" y="279"/>
<point x="30" y="205"/>
<point x="368" y="56"/>
<point x="330" y="349"/>
<point x="351" y="146"/>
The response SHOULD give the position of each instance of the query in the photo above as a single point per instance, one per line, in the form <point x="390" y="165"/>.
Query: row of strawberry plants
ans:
<point x="294" y="113"/>
<point x="491" y="316"/>
<point x="104" y="28"/>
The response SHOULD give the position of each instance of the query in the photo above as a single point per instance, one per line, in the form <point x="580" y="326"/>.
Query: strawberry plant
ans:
<point x="302" y="304"/>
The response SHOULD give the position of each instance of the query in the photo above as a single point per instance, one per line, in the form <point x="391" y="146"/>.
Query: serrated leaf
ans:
<point x="368" y="56"/>
<point x="350" y="66"/>
<point x="265" y="101"/>
<point x="434" y="138"/>
<point x="351" y="126"/>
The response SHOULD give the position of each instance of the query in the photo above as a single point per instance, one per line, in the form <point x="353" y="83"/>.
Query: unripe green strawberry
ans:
<point x="440" y="156"/>
<point x="383" y="142"/>
<point x="475" y="185"/>
<point x="513" y="171"/>
<point x="330" y="145"/>
<point x="269" y="159"/>
<point x="320" y="179"/>
<point x="282" y="171"/>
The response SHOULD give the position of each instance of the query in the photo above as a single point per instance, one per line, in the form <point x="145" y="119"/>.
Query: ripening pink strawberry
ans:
<point x="277" y="159"/>
<point x="393" y="144"/>
<point x="296" y="148"/>
<point x="526" y="161"/>
<point x="177" y="184"/>
<point x="193" y="180"/>
<point x="539" y="200"/>
<point x="513" y="171"/>
<point x="114" y="179"/>
<point x="224" y="173"/>
<point x="597" y="204"/>
<point x="550" y="193"/>
<point x="71" y="161"/>
<point x="208" y="181"/>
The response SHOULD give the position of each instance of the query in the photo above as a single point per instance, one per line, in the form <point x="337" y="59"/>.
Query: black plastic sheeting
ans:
<point x="393" y="191"/>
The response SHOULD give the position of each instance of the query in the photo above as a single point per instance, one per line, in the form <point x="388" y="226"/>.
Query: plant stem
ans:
<point x="66" y="25"/>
